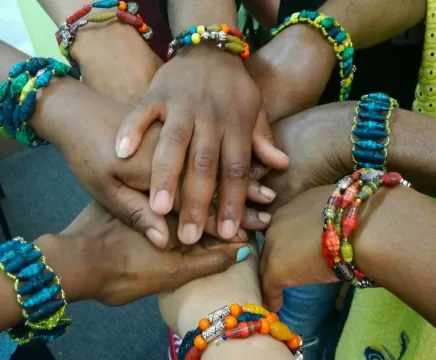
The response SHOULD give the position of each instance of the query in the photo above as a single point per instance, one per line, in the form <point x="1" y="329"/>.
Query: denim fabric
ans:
<point x="7" y="347"/>
<point x="306" y="310"/>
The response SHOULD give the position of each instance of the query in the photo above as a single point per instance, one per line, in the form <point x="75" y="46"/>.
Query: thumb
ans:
<point x="214" y="260"/>
<point x="263" y="144"/>
<point x="133" y="208"/>
<point x="132" y="129"/>
<point x="272" y="292"/>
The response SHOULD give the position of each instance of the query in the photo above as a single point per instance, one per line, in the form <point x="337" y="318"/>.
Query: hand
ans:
<point x="124" y="265"/>
<point x="187" y="93"/>
<point x="292" y="253"/>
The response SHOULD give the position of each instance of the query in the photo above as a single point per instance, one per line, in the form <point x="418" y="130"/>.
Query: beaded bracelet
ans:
<point x="336" y="35"/>
<point x="39" y="292"/>
<point x="238" y="322"/>
<point x="227" y="38"/>
<point x="127" y="13"/>
<point x="341" y="219"/>
<point x="371" y="126"/>
<point x="18" y="96"/>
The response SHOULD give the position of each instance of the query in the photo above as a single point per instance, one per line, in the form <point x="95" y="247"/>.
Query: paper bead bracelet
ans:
<point x="18" y="96"/>
<point x="227" y="38"/>
<point x="336" y="35"/>
<point x="39" y="292"/>
<point x="237" y="322"/>
<point x="127" y="13"/>
<point x="370" y="133"/>
<point x="341" y="219"/>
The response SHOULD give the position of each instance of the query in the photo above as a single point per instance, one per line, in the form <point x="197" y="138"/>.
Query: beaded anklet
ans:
<point x="39" y="293"/>
<point x="127" y="13"/>
<point x="371" y="126"/>
<point x="18" y="96"/>
<point x="228" y="38"/>
<point x="336" y="35"/>
<point x="341" y="219"/>
<point x="238" y="322"/>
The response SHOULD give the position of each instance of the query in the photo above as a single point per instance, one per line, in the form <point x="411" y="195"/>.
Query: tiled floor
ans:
<point x="12" y="29"/>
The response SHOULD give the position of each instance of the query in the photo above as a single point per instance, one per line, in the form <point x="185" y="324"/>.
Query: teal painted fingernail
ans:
<point x="242" y="254"/>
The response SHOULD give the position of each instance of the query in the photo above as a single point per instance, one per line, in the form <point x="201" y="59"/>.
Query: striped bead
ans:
<point x="31" y="271"/>
<point x="371" y="125"/>
<point x="41" y="296"/>
<point x="370" y="156"/>
<point x="17" y="69"/>
<point x="10" y="255"/>
<point x="22" y="261"/>
<point x="374" y="106"/>
<point x="36" y="284"/>
<point x="369" y="145"/>
<point x="46" y="310"/>
<point x="370" y="134"/>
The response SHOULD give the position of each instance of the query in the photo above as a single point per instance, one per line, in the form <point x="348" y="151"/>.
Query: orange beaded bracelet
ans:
<point x="238" y="322"/>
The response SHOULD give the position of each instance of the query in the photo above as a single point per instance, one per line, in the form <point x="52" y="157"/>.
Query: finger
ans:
<point x="234" y="177"/>
<point x="263" y="144"/>
<point x="133" y="208"/>
<point x="258" y="170"/>
<point x="255" y="220"/>
<point x="211" y="229"/>
<point x="134" y="126"/>
<point x="272" y="293"/>
<point x="213" y="261"/>
<point x="198" y="184"/>
<point x="168" y="162"/>
<point x="259" y="193"/>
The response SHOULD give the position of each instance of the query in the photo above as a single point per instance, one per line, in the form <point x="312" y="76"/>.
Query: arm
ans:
<point x="184" y="307"/>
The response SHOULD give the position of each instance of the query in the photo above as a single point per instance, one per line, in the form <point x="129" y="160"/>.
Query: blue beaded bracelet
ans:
<point x="39" y="293"/>
<point x="370" y="133"/>
<point x="18" y="96"/>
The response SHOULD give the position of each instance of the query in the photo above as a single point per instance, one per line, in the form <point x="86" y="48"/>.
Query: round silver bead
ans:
<point x="148" y="34"/>
<point x="132" y="8"/>
<point x="82" y="23"/>
<point x="205" y="35"/>
<point x="214" y="35"/>
<point x="405" y="183"/>
<point x="222" y="36"/>
<point x="345" y="182"/>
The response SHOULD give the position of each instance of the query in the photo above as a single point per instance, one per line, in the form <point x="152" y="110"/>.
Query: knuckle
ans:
<point x="134" y="217"/>
<point x="238" y="170"/>
<point x="220" y="261"/>
<point x="177" y="135"/>
<point x="205" y="165"/>
<point x="197" y="210"/>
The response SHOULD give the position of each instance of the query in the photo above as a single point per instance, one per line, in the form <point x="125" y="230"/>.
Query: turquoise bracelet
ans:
<point x="18" y="96"/>
<point x="39" y="293"/>
<point x="370" y="133"/>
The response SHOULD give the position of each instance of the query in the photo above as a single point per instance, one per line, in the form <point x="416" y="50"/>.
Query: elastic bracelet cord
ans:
<point x="238" y="322"/>
<point x="127" y="13"/>
<point x="39" y="293"/>
<point x="370" y="133"/>
<point x="227" y="38"/>
<point x="18" y="96"/>
<point x="341" y="219"/>
<point x="336" y="35"/>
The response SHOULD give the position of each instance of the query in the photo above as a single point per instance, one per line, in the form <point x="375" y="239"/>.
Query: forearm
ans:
<point x="395" y="246"/>
<point x="183" y="308"/>
<point x="59" y="10"/>
<point x="370" y="22"/>
<point x="187" y="13"/>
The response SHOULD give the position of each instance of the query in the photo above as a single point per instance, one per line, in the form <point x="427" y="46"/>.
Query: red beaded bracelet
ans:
<point x="341" y="219"/>
<point x="127" y="13"/>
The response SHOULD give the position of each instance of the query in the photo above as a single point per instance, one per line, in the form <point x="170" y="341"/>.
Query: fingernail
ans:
<point x="228" y="229"/>
<point x="155" y="236"/>
<point x="242" y="254"/>
<point x="124" y="148"/>
<point x="264" y="217"/>
<point x="161" y="202"/>
<point x="267" y="192"/>
<point x="189" y="234"/>
<point x="282" y="154"/>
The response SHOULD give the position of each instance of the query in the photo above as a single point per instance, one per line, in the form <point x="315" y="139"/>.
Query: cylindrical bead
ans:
<point x="367" y="190"/>
<point x="370" y="133"/>
<point x="101" y="16"/>
<point x="347" y="251"/>
<point x="254" y="308"/>
<point x="214" y="28"/>
<point x="350" y="194"/>
<point x="105" y="4"/>
<point x="371" y="175"/>
<point x="369" y="165"/>
<point x="27" y="89"/>
<point x="337" y="222"/>
<point x="371" y="156"/>
<point x="332" y="205"/>
<point x="36" y="284"/>
<point x="12" y="254"/>
<point x="350" y="219"/>
<point x="246" y="316"/>
<point x="331" y="238"/>
<point x="4" y="89"/>
<point x="234" y="48"/>
<point x="371" y="115"/>
<point x="17" y="69"/>
<point x="18" y="83"/>
<point x="243" y="330"/>
<point x="213" y="331"/>
<point x="130" y="19"/>
<point x="31" y="271"/>
<point x="345" y="182"/>
<point x="46" y="310"/>
<point x="371" y="125"/>
<point x="235" y="32"/>
<point x="280" y="331"/>
<point x="193" y="354"/>
<point x="219" y="314"/>
<point x="235" y="40"/>
<point x="344" y="272"/>
<point x="83" y="11"/>
<point x="35" y="64"/>
<point x="41" y="296"/>
<point x="391" y="179"/>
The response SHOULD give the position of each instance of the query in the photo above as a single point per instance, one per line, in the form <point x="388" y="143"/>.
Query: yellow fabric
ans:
<point x="425" y="93"/>
<point x="41" y="29"/>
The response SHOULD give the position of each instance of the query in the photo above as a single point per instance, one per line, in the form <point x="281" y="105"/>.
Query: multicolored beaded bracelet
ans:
<point x="371" y="127"/>
<point x="127" y="13"/>
<point x="238" y="322"/>
<point x="336" y="35"/>
<point x="18" y="96"/>
<point x="341" y="219"/>
<point x="39" y="292"/>
<point x="228" y="38"/>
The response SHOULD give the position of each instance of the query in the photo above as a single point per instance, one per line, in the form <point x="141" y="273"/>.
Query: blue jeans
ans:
<point x="306" y="310"/>
<point x="7" y="347"/>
